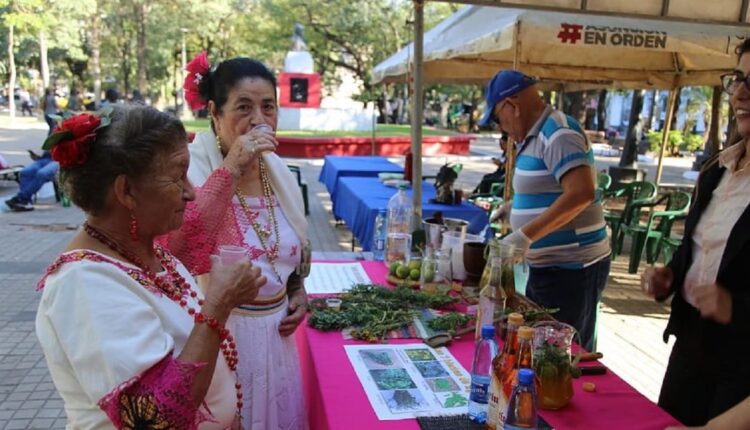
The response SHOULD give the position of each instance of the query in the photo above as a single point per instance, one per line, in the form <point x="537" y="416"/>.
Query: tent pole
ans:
<point x="510" y="148"/>
<point x="665" y="134"/>
<point x="417" y="112"/>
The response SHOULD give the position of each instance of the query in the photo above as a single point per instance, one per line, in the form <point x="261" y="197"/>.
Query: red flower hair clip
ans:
<point x="198" y="69"/>
<point x="70" y="141"/>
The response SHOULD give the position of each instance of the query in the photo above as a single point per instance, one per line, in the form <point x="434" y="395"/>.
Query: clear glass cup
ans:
<point x="436" y="270"/>
<point x="266" y="129"/>
<point x="230" y="254"/>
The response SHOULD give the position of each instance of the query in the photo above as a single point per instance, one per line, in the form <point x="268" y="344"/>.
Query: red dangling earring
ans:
<point x="133" y="228"/>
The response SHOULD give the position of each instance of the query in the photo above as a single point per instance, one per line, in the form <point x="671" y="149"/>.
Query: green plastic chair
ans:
<point x="658" y="227"/>
<point x="603" y="181"/>
<point x="636" y="194"/>
<point x="302" y="185"/>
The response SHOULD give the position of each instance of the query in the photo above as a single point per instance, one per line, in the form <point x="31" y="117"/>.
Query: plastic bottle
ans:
<point x="378" y="240"/>
<point x="492" y="297"/>
<point x="485" y="352"/>
<point x="521" y="414"/>
<point x="399" y="227"/>
<point x="498" y="400"/>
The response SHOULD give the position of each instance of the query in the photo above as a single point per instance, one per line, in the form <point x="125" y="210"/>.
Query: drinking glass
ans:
<point x="230" y="254"/>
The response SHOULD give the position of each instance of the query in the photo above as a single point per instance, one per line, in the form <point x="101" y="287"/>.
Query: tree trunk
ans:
<point x="141" y="12"/>
<point x="630" y="151"/>
<point x="713" y="143"/>
<point x="601" y="111"/>
<point x="575" y="105"/>
<point x="44" y="65"/>
<point x="12" y="71"/>
<point x="649" y="124"/>
<point x="95" y="45"/>
<point x="678" y="94"/>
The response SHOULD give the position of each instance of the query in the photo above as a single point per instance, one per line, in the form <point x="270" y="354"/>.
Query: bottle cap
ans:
<point x="488" y="331"/>
<point x="525" y="332"/>
<point x="515" y="318"/>
<point x="525" y="376"/>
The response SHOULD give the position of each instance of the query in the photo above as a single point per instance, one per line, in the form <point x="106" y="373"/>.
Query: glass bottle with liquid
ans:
<point x="524" y="356"/>
<point x="492" y="296"/>
<point x="498" y="400"/>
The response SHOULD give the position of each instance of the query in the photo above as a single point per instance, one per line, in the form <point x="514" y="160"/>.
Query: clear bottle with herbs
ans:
<point x="498" y="401"/>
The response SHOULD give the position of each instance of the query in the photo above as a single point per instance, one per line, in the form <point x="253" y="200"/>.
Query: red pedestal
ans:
<point x="299" y="90"/>
<point x="396" y="145"/>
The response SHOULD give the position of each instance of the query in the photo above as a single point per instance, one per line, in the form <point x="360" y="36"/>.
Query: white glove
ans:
<point x="502" y="212"/>
<point x="519" y="240"/>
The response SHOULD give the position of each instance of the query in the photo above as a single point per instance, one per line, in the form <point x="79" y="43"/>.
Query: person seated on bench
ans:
<point x="32" y="178"/>
<point x="498" y="175"/>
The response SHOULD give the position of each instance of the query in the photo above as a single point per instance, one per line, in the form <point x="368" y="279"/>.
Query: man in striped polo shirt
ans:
<point x="556" y="219"/>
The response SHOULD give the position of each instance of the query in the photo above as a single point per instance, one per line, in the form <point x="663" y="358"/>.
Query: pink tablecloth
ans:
<point x="336" y="400"/>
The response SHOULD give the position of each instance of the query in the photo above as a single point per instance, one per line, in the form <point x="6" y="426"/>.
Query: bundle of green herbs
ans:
<point x="373" y="311"/>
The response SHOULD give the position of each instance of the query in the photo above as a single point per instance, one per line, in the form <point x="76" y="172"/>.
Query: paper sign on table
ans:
<point x="331" y="278"/>
<point x="408" y="381"/>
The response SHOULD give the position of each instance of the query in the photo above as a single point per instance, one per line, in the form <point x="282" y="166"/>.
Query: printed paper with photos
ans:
<point x="407" y="381"/>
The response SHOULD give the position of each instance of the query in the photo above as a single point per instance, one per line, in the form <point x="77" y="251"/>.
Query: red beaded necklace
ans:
<point x="177" y="291"/>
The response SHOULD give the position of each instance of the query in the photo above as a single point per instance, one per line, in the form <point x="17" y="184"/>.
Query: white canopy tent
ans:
<point x="618" y="43"/>
<point x="476" y="42"/>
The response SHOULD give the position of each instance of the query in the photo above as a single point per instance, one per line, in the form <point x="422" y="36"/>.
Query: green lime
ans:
<point x="394" y="268"/>
<point x="414" y="274"/>
<point x="402" y="272"/>
<point x="415" y="265"/>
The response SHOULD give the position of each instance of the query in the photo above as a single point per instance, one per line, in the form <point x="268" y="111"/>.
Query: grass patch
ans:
<point x="382" y="130"/>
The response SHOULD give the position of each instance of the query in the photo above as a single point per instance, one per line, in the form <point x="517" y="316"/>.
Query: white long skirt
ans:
<point x="269" y="371"/>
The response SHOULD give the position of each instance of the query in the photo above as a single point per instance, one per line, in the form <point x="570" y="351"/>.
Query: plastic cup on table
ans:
<point x="230" y="254"/>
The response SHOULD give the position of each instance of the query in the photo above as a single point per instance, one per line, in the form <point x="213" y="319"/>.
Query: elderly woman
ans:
<point x="129" y="339"/>
<point x="247" y="197"/>
<point x="708" y="370"/>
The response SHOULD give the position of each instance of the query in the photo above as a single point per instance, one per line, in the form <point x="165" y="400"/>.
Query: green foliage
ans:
<point x="374" y="311"/>
<point x="678" y="140"/>
<point x="692" y="142"/>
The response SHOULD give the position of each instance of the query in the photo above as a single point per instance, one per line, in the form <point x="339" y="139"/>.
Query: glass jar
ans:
<point x="502" y="256"/>
<point x="552" y="342"/>
<point x="436" y="269"/>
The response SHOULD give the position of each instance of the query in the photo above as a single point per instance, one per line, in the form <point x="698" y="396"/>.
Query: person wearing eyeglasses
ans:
<point x="557" y="221"/>
<point x="708" y="371"/>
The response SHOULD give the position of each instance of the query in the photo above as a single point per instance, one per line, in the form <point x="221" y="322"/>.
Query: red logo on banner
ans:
<point x="570" y="33"/>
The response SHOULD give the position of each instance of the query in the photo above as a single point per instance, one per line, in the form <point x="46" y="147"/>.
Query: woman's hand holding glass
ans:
<point x="231" y="285"/>
<point x="248" y="147"/>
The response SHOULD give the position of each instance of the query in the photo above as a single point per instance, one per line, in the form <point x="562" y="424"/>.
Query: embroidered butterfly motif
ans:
<point x="141" y="412"/>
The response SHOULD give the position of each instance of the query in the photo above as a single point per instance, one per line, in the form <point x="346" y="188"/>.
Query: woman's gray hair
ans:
<point x="131" y="145"/>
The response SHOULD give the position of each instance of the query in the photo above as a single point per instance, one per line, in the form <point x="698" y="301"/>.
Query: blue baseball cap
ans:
<point x="505" y="84"/>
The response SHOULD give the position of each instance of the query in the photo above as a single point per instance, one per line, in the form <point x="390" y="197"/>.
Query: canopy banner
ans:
<point x="719" y="11"/>
<point x="607" y="51"/>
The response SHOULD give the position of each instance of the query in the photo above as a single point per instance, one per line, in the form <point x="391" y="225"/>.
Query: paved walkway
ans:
<point x="630" y="333"/>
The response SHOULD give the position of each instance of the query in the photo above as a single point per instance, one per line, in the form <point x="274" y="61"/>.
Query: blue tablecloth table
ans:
<point x="358" y="200"/>
<point x="335" y="167"/>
